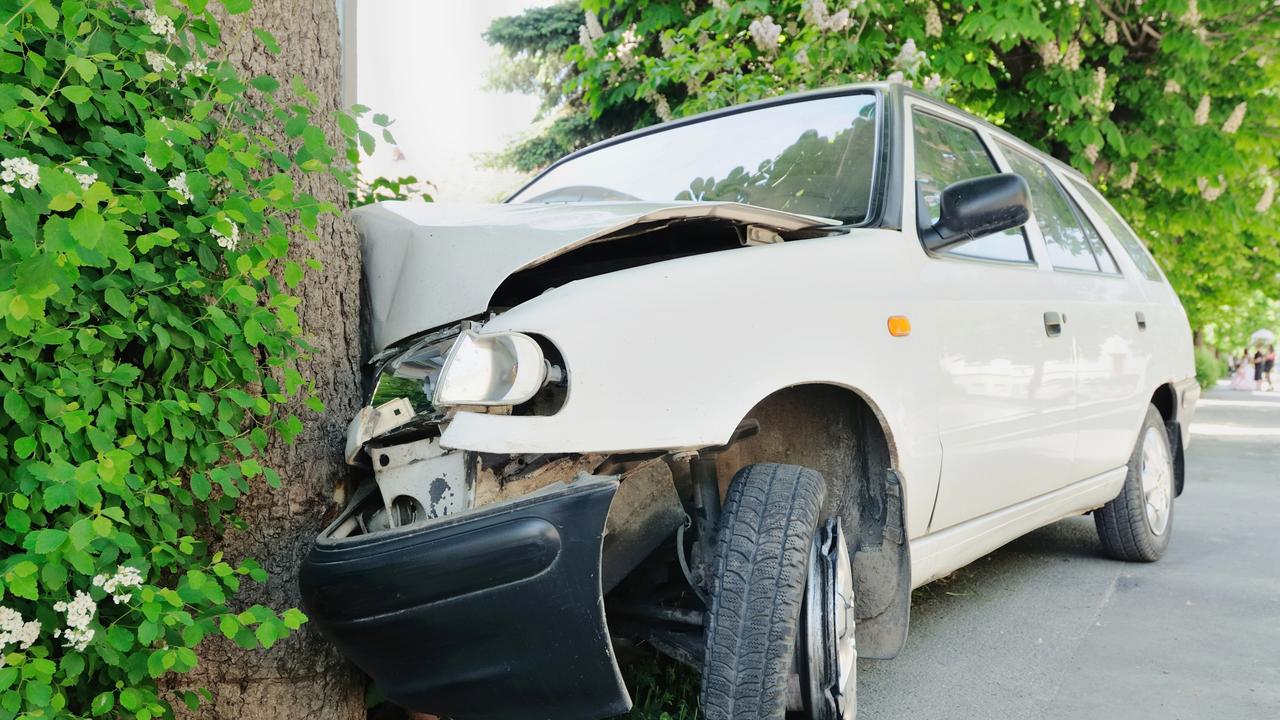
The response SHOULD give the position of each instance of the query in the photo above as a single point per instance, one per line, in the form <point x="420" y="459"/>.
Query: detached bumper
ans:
<point x="495" y="613"/>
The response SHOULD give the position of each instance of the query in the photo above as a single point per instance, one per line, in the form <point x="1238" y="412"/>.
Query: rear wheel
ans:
<point x="1136" y="525"/>
<point x="780" y="641"/>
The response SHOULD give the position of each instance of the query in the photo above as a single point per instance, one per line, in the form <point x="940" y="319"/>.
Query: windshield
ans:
<point x="813" y="157"/>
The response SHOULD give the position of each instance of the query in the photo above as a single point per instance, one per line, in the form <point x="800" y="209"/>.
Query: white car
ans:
<point x="731" y="387"/>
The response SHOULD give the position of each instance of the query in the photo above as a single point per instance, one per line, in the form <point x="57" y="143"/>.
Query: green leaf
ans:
<point x="24" y="447"/>
<point x="76" y="93"/>
<point x="102" y="703"/>
<point x="46" y="541"/>
<point x="235" y="7"/>
<point x="265" y="83"/>
<point x="268" y="41"/>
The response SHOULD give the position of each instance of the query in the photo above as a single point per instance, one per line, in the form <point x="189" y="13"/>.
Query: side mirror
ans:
<point x="975" y="207"/>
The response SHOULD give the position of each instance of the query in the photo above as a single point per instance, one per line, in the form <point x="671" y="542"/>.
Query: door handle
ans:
<point x="1053" y="323"/>
<point x="1142" y="320"/>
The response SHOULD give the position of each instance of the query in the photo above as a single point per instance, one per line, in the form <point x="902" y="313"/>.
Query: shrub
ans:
<point x="1209" y="369"/>
<point x="146" y="338"/>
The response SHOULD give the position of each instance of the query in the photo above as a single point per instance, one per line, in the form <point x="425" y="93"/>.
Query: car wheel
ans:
<point x="1136" y="525"/>
<point x="780" y="642"/>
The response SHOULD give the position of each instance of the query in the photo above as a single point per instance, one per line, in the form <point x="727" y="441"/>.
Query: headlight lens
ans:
<point x="502" y="368"/>
<point x="413" y="374"/>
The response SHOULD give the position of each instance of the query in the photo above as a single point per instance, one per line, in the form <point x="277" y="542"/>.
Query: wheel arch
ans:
<point x="1165" y="400"/>
<point x="842" y="433"/>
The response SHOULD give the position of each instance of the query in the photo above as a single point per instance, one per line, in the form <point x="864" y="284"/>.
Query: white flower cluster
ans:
<point x="1050" y="53"/>
<point x="1110" y="34"/>
<point x="1071" y="58"/>
<point x="721" y="5"/>
<point x="1172" y="86"/>
<point x="150" y="165"/>
<point x="815" y="11"/>
<point x="20" y="170"/>
<point x="15" y="631"/>
<point x="909" y="59"/>
<point x="933" y="83"/>
<point x="668" y="45"/>
<point x="1268" y="196"/>
<point x="1098" y="92"/>
<point x="594" y="30"/>
<point x="1211" y="192"/>
<point x="626" y="51"/>
<point x="178" y="184"/>
<point x="159" y="62"/>
<point x="86" y="179"/>
<point x="585" y="40"/>
<point x="80" y="612"/>
<point x="232" y="241"/>
<point x="1202" y="111"/>
<point x="1132" y="177"/>
<point x="1235" y="119"/>
<point x="802" y="56"/>
<point x="126" y="577"/>
<point x="932" y="21"/>
<point x="160" y="24"/>
<point x="765" y="32"/>
<point x="1192" y="16"/>
<point x="1091" y="152"/>
<point x="198" y="68"/>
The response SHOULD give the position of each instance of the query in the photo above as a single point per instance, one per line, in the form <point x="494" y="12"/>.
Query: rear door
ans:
<point x="1104" y="310"/>
<point x="1007" y="382"/>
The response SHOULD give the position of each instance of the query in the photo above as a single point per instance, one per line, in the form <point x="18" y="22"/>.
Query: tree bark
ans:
<point x="303" y="676"/>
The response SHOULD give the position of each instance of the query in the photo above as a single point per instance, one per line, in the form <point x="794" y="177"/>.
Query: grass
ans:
<point x="662" y="689"/>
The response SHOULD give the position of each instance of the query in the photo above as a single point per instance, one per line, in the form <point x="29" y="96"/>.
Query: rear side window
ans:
<point x="947" y="152"/>
<point x="1130" y="242"/>
<point x="1064" y="235"/>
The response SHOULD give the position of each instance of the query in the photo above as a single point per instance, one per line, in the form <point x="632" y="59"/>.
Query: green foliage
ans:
<point x="361" y="143"/>
<point x="1145" y="98"/>
<point x="1209" y="369"/>
<point x="533" y="44"/>
<point x="147" y="341"/>
<point x="661" y="689"/>
<point x="1234" y="325"/>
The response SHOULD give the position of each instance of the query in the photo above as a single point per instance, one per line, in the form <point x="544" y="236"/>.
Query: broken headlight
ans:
<point x="413" y="375"/>
<point x="501" y="368"/>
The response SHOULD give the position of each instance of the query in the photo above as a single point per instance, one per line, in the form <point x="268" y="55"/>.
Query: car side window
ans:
<point x="1106" y="262"/>
<point x="1064" y="237"/>
<point x="1130" y="242"/>
<point x="948" y="152"/>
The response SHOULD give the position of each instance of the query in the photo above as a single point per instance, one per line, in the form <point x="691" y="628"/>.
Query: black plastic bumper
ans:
<point x="496" y="613"/>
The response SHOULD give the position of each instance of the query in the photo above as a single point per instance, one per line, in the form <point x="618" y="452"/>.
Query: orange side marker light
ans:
<point x="899" y="326"/>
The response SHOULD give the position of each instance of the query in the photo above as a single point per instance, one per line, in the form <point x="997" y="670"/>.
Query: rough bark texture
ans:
<point x="303" y="676"/>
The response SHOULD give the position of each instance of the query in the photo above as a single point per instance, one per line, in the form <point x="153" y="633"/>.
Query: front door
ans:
<point x="1007" y="391"/>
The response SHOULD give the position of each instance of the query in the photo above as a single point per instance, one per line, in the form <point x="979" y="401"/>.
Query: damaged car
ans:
<point x="730" y="387"/>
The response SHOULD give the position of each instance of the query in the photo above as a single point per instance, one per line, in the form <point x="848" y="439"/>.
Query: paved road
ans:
<point x="1047" y="628"/>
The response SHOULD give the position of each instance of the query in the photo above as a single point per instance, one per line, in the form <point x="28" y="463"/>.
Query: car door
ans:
<point x="1104" y="309"/>
<point x="1007" y="383"/>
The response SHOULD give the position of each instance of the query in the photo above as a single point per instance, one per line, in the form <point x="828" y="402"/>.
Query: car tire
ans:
<point x="760" y="569"/>
<point x="1136" y="525"/>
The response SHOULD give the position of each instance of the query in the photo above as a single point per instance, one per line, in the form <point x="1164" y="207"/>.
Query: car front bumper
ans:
<point x="491" y="613"/>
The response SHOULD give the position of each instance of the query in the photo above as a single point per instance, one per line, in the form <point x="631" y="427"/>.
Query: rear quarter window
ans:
<point x="1120" y="229"/>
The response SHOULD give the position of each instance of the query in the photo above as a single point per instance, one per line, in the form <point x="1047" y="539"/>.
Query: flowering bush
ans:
<point x="146" y="338"/>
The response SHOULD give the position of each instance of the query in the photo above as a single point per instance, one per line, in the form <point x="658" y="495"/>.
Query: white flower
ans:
<point x="1099" y="86"/>
<point x="661" y="107"/>
<point x="815" y="11"/>
<point x="159" y="24"/>
<point x="932" y="21"/>
<point x="1172" y="86"/>
<point x="764" y="31"/>
<point x="1234" y="120"/>
<point x="20" y="170"/>
<point x="1110" y="35"/>
<point x="721" y="5"/>
<point x="1211" y="192"/>
<point x="1202" y="111"/>
<point x="802" y="56"/>
<point x="1050" y="53"/>
<point x="586" y="41"/>
<point x="933" y="83"/>
<point x="1192" y="15"/>
<point x="150" y="165"/>
<point x="230" y="241"/>
<point x="1129" y="179"/>
<point x="179" y="185"/>
<point x="159" y="63"/>
<point x="1268" y="195"/>
<point x="668" y="44"/>
<point x="594" y="30"/>
<point x="198" y="68"/>
<point x="909" y="59"/>
<point x="86" y="179"/>
<point x="15" y="631"/>
<point x="627" y="46"/>
<point x="126" y="576"/>
<point x="80" y="612"/>
<point x="1071" y="60"/>
<point x="897" y="77"/>
<point x="1091" y="152"/>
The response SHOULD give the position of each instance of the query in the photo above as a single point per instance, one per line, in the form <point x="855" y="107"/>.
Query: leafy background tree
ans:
<point x="1171" y="108"/>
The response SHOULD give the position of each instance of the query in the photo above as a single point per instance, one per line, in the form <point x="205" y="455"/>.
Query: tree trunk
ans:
<point x="303" y="676"/>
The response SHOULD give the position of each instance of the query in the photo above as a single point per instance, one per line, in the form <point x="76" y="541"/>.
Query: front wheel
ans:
<point x="780" y="641"/>
<point x="1136" y="525"/>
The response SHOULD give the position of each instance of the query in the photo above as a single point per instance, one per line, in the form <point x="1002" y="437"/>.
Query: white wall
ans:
<point x="424" y="63"/>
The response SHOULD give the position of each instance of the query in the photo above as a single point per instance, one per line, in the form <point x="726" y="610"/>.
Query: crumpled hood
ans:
<point x="429" y="264"/>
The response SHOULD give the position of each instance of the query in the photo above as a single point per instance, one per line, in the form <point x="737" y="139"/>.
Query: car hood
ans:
<point x="428" y="264"/>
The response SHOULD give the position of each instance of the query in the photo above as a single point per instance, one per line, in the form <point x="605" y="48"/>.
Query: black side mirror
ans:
<point x="975" y="207"/>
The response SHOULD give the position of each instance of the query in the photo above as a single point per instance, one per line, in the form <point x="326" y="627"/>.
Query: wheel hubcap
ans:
<point x="1157" y="480"/>
<point x="827" y="652"/>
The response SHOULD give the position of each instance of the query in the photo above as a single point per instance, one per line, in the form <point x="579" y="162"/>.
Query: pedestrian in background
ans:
<point x="1269" y="364"/>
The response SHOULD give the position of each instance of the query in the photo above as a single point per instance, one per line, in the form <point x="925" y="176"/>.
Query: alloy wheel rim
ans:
<point x="1156" y="473"/>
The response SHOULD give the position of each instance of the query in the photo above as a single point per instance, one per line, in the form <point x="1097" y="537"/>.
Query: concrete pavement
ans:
<point x="1047" y="628"/>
